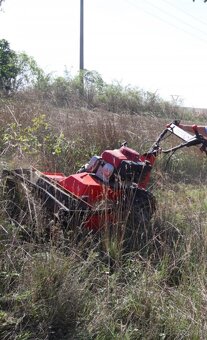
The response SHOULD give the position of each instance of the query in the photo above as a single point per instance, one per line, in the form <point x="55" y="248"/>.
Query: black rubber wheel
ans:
<point x="139" y="209"/>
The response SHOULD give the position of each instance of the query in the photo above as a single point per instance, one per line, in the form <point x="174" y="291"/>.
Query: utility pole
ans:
<point x="81" y="74"/>
<point x="81" y="35"/>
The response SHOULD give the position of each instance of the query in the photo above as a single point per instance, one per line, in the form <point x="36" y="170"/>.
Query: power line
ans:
<point x="174" y="16"/>
<point x="167" y="22"/>
<point x="186" y="13"/>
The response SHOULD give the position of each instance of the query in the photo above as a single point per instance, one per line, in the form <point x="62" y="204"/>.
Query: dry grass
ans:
<point x="64" y="289"/>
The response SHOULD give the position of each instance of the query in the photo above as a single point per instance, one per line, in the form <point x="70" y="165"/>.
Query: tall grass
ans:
<point x="66" y="288"/>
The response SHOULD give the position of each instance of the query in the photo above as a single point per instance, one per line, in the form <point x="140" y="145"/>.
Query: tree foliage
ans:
<point x="30" y="74"/>
<point x="9" y="68"/>
<point x="18" y="70"/>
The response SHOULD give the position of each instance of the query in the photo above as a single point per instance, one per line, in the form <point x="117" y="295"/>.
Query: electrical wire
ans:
<point x="175" y="17"/>
<point x="186" y="13"/>
<point x="167" y="22"/>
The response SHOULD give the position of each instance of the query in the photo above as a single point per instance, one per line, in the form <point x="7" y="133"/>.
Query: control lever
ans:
<point x="204" y="145"/>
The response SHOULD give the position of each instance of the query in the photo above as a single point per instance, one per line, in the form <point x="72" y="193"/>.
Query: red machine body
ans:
<point x="98" y="184"/>
<point x="105" y="179"/>
<point x="117" y="180"/>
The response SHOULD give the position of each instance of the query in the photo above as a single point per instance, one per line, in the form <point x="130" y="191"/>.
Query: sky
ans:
<point x="158" y="46"/>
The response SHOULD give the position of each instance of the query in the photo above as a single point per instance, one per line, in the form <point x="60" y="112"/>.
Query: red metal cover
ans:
<point x="114" y="157"/>
<point x="83" y="184"/>
<point x="131" y="154"/>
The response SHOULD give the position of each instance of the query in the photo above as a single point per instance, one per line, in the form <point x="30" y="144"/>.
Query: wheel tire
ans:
<point x="138" y="231"/>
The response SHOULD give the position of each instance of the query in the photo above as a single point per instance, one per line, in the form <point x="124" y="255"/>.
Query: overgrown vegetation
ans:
<point x="20" y="72"/>
<point x="56" y="291"/>
<point x="62" y="289"/>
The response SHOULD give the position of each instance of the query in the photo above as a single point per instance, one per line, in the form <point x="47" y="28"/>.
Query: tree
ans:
<point x="9" y="68"/>
<point x="30" y="74"/>
<point x="19" y="71"/>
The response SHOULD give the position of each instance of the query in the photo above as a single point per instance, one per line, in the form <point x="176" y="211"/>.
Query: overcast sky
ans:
<point x="155" y="45"/>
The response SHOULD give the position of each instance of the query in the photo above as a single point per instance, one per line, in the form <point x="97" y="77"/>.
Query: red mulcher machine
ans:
<point x="117" y="180"/>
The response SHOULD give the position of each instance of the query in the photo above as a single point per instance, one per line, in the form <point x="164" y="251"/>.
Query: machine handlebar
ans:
<point x="188" y="139"/>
